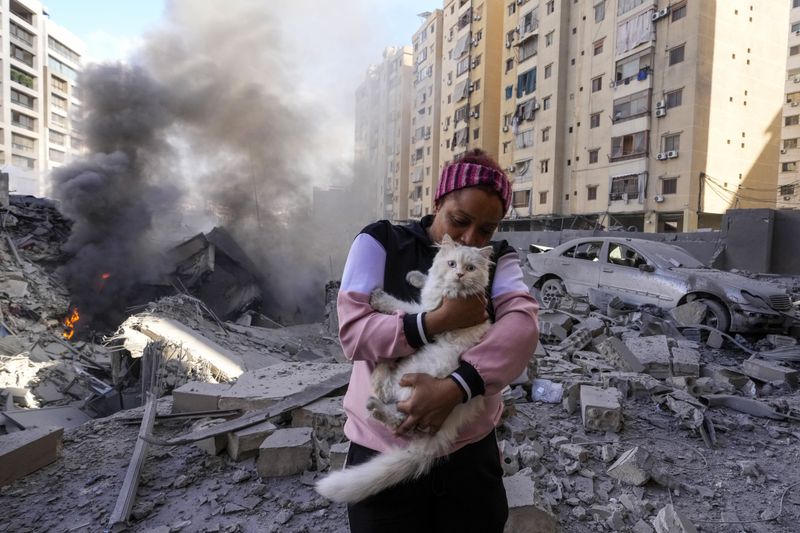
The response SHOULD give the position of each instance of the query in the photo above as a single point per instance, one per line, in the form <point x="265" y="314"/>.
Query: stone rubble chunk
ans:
<point x="642" y="527"/>
<point x="714" y="339"/>
<point x="245" y="442"/>
<point x="338" y="455"/>
<point x="197" y="396"/>
<point x="574" y="451"/>
<point x="601" y="409"/>
<point x="578" y="340"/>
<point x="23" y="452"/>
<point x="633" y="467"/>
<point x="525" y="512"/>
<point x="653" y="353"/>
<point x="670" y="520"/>
<point x="285" y="452"/>
<point x="509" y="457"/>
<point x="530" y="453"/>
<point x="326" y="416"/>
<point x="768" y="371"/>
<point x="591" y="362"/>
<point x="689" y="314"/>
<point x="781" y="341"/>
<point x="632" y="384"/>
<point x="618" y="354"/>
<point x="685" y="362"/>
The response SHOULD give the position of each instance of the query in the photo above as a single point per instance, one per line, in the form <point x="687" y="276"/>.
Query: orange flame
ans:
<point x="69" y="323"/>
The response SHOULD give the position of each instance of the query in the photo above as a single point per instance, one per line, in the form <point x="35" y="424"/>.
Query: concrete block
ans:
<point x="769" y="371"/>
<point x="197" y="396"/>
<point x="591" y="362"/>
<point x="631" y="384"/>
<point x="325" y="416"/>
<point x="601" y="409"/>
<point x="781" y="341"/>
<point x="212" y="445"/>
<point x="685" y="362"/>
<point x="258" y="389"/>
<point x="286" y="452"/>
<point x="578" y="340"/>
<point x="619" y="355"/>
<point x="244" y="443"/>
<point x="652" y="352"/>
<point x="632" y="467"/>
<point x="525" y="513"/>
<point x="574" y="451"/>
<point x="724" y="375"/>
<point x="338" y="455"/>
<point x="571" y="398"/>
<point x="689" y="314"/>
<point x="642" y="527"/>
<point x="670" y="520"/>
<point x="551" y="333"/>
<point x="714" y="339"/>
<point x="509" y="457"/>
<point x="23" y="452"/>
<point x="595" y="326"/>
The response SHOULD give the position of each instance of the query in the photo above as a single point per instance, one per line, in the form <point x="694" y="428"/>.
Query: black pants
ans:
<point x="462" y="493"/>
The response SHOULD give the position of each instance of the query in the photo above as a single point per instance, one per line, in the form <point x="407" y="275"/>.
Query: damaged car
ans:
<point x="642" y="272"/>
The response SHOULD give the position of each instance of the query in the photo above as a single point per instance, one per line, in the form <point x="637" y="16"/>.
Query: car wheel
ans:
<point x="716" y="315"/>
<point x="552" y="289"/>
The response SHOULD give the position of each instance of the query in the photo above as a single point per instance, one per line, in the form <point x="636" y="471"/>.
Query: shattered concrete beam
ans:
<point x="23" y="452"/>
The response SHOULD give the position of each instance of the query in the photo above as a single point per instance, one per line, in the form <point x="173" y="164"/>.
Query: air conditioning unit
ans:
<point x="612" y="84"/>
<point x="625" y="197"/>
<point x="796" y="79"/>
<point x="654" y="17"/>
<point x="508" y="44"/>
<point x="505" y="130"/>
<point x="661" y="156"/>
<point x="520" y="2"/>
<point x="476" y="17"/>
<point x="473" y="63"/>
<point x="661" y="112"/>
<point x="658" y="198"/>
<point x="672" y="154"/>
<point x="449" y="82"/>
<point x="783" y="150"/>
<point x="660" y="14"/>
<point x="794" y="104"/>
<point x="474" y="114"/>
<point x="470" y="87"/>
<point x="475" y="42"/>
<point x="445" y="127"/>
<point x="536" y="106"/>
<point x="511" y="169"/>
<point x="449" y="38"/>
<point x="661" y="104"/>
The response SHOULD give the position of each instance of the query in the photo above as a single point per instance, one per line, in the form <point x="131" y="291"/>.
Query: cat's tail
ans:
<point x="385" y="470"/>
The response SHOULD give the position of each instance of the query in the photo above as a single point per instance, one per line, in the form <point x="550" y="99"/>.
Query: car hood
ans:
<point x="730" y="280"/>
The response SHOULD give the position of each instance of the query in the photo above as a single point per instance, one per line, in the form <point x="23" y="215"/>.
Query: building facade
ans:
<point x="788" y="171"/>
<point x="382" y="131"/>
<point x="39" y="83"/>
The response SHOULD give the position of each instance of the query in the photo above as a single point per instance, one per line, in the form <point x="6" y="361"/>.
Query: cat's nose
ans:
<point x="460" y="275"/>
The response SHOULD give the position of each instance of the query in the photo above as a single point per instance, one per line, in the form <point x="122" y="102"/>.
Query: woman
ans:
<point x="464" y="491"/>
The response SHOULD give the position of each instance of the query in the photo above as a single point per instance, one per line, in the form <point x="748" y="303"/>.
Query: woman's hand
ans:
<point x="456" y="313"/>
<point x="430" y="403"/>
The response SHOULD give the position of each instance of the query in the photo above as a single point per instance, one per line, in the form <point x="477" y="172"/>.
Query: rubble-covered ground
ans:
<point x="616" y="419"/>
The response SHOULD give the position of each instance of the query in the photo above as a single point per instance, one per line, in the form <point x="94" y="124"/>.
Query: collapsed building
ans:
<point x="197" y="412"/>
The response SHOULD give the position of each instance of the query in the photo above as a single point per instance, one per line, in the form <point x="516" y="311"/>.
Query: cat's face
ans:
<point x="461" y="268"/>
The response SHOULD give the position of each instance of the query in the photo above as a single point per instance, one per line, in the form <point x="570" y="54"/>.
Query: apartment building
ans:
<point x="645" y="114"/>
<point x="42" y="61"/>
<point x="382" y="131"/>
<point x="425" y="115"/>
<point x="470" y="98"/>
<point x="788" y="172"/>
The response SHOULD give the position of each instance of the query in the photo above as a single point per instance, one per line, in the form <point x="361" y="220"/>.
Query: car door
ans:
<point x="621" y="276"/>
<point x="579" y="267"/>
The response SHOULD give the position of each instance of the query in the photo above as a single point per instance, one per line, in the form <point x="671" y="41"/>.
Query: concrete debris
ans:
<point x="770" y="371"/>
<point x="633" y="467"/>
<point x="670" y="520"/>
<point x="690" y="313"/>
<point x="601" y="409"/>
<point x="619" y="355"/>
<point x="245" y="442"/>
<point x="547" y="391"/>
<point x="526" y="513"/>
<point x="286" y="452"/>
<point x="653" y="353"/>
<point x="26" y="451"/>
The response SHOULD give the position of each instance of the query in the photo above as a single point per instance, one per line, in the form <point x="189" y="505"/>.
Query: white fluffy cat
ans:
<point x="457" y="272"/>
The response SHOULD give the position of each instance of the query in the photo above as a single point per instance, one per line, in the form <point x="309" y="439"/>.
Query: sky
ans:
<point x="112" y="30"/>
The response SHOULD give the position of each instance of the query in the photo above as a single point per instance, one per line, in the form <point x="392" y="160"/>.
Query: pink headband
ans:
<point x="462" y="175"/>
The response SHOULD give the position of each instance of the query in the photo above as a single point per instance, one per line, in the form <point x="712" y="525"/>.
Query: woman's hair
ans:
<point x="480" y="157"/>
<point x="475" y="168"/>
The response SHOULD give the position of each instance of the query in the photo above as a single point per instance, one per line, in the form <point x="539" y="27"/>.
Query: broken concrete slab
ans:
<point x="670" y="520"/>
<point x="197" y="396"/>
<point x="601" y="409"/>
<point x="286" y="452"/>
<point x="326" y="416"/>
<point x="690" y="313"/>
<point x="632" y="467"/>
<point x="632" y="384"/>
<point x="65" y="416"/>
<point x="685" y="362"/>
<point x="653" y="353"/>
<point x="245" y="442"/>
<point x="23" y="452"/>
<point x="591" y="362"/>
<point x="257" y="389"/>
<point x="338" y="455"/>
<point x="714" y="339"/>
<point x="525" y="513"/>
<point x="618" y="354"/>
<point x="768" y="371"/>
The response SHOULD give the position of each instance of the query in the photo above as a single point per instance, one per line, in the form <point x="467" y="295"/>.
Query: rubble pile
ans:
<point x="627" y="419"/>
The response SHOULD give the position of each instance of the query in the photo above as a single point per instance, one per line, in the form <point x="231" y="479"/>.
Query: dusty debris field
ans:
<point x="629" y="420"/>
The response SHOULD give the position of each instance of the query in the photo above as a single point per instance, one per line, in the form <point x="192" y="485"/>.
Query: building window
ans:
<point x="674" y="98"/>
<point x="672" y="142"/>
<point x="56" y="137"/>
<point x="600" y="11"/>
<point x="669" y="186"/>
<point x="676" y="54"/>
<point x="526" y="83"/>
<point x="545" y="134"/>
<point x="23" y="162"/>
<point x="56" y="155"/>
<point x="629" y="146"/>
<point x="791" y="120"/>
<point x="634" y="67"/>
<point x="57" y="101"/>
<point x="594" y="120"/>
<point x="22" y="120"/>
<point x="678" y="12"/>
<point x="512" y="8"/>
<point x="22" y="143"/>
<point x="591" y="192"/>
<point x="475" y="133"/>
<point x="21" y="55"/>
<point x="594" y="155"/>
<point x="624" y="187"/>
<point x="509" y="91"/>
<point x="521" y="198"/>
<point x="524" y="139"/>
<point x="793" y="98"/>
<point x="545" y="103"/>
<point x="597" y="83"/>
<point x="796" y="27"/>
<point x="22" y="78"/>
<point x="794" y="50"/>
<point x="543" y="165"/>
<point x="626" y="5"/>
<point x="631" y="106"/>
<point x="598" y="47"/>
<point x="548" y="39"/>
<point x="789" y="143"/>
<point x="58" y="120"/>
<point x="543" y="197"/>
<point x="787" y="190"/>
<point x="509" y="64"/>
<point x="550" y="6"/>
<point x="795" y="3"/>
<point x="21" y="34"/>
<point x="789" y="166"/>
<point x="528" y="48"/>
<point x="548" y="70"/>
<point x="23" y="99"/>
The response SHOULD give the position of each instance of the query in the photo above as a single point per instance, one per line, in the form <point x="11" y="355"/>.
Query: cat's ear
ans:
<point x="487" y="252"/>
<point x="447" y="240"/>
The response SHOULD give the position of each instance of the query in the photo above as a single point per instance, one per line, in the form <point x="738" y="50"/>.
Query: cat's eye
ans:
<point x="451" y="264"/>
<point x="470" y="268"/>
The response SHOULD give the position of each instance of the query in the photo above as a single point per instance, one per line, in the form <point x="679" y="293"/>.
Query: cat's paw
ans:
<point x="417" y="279"/>
<point x="378" y="300"/>
<point x="373" y="403"/>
